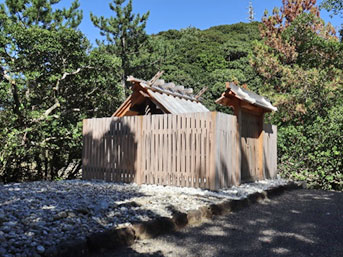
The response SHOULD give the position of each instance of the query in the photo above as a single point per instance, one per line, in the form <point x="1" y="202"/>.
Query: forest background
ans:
<point x="52" y="79"/>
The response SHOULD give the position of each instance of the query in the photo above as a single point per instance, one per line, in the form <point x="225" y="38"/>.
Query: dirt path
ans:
<point x="297" y="223"/>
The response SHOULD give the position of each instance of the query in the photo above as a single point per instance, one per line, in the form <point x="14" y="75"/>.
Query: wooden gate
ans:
<point x="252" y="147"/>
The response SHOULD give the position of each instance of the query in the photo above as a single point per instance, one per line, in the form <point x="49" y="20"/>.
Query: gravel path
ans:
<point x="298" y="223"/>
<point x="38" y="215"/>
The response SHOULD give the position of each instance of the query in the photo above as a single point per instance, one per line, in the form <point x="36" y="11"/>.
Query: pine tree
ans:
<point x="40" y="13"/>
<point x="125" y="34"/>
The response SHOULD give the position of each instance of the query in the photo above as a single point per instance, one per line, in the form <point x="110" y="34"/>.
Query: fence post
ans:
<point x="260" y="144"/>
<point x="238" y="114"/>
<point x="213" y="136"/>
<point x="84" y="148"/>
<point x="139" y="138"/>
<point x="270" y="151"/>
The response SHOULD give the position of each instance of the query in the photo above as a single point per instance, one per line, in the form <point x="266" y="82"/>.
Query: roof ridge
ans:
<point x="168" y="88"/>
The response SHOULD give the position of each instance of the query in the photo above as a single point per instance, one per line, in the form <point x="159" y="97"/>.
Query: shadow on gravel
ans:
<point x="51" y="213"/>
<point x="299" y="223"/>
<point x="130" y="252"/>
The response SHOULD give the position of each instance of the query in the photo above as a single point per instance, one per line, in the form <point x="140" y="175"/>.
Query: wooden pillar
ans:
<point x="140" y="150"/>
<point x="259" y="153"/>
<point x="238" y="175"/>
<point x="213" y="176"/>
<point x="85" y="149"/>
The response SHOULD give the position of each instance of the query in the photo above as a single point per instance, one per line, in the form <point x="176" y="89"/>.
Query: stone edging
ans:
<point x="115" y="238"/>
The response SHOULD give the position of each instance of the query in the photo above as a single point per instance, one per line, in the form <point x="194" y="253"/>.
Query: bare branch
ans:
<point x="91" y="92"/>
<point x="47" y="112"/>
<point x="24" y="139"/>
<point x="7" y="77"/>
<point x="202" y="91"/>
<point x="14" y="90"/>
<point x="155" y="78"/>
<point x="66" y="74"/>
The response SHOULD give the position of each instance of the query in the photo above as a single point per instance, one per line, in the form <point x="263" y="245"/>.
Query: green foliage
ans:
<point x="209" y="58"/>
<point x="309" y="43"/>
<point x="308" y="92"/>
<point x="50" y="81"/>
<point x="40" y="13"/>
<point x="314" y="152"/>
<point x="125" y="35"/>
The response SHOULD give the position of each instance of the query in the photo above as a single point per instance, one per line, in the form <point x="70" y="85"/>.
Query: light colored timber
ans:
<point x="195" y="150"/>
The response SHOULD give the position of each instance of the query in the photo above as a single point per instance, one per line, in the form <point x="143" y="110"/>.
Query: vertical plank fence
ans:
<point x="192" y="150"/>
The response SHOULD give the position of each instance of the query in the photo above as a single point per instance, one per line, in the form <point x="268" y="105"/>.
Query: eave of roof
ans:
<point x="247" y="96"/>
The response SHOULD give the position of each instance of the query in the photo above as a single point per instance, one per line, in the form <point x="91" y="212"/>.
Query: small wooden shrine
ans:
<point x="163" y="135"/>
<point x="249" y="108"/>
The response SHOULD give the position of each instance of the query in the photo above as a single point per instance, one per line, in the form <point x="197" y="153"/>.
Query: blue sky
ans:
<point x="177" y="14"/>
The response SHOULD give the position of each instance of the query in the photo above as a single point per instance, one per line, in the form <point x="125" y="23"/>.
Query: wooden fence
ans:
<point x="194" y="150"/>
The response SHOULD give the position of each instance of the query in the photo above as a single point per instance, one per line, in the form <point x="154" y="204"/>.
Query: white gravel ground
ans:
<point x="37" y="215"/>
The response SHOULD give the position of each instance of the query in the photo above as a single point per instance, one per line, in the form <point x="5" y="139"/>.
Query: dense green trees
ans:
<point x="49" y="83"/>
<point x="209" y="58"/>
<point x="300" y="63"/>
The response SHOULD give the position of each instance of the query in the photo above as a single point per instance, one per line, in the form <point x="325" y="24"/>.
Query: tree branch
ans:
<point x="66" y="74"/>
<point x="90" y="93"/>
<point x="47" y="112"/>
<point x="14" y="90"/>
